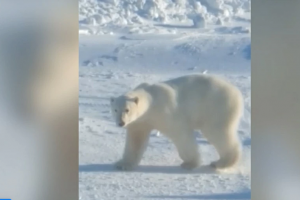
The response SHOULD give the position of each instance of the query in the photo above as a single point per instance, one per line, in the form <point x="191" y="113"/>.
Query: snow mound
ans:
<point x="196" y="13"/>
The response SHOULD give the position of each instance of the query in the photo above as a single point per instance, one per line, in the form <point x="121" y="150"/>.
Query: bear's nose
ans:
<point x="121" y="124"/>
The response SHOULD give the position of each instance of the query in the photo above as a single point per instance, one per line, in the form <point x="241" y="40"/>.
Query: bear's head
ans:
<point x="124" y="109"/>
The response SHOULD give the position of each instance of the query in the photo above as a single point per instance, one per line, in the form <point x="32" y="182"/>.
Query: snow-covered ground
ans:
<point x="114" y="59"/>
<point x="163" y="16"/>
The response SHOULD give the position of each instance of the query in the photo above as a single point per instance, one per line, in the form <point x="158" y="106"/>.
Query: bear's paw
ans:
<point x="124" y="166"/>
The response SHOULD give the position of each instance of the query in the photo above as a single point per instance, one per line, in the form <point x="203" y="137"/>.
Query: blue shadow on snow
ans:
<point x="145" y="169"/>
<point x="247" y="52"/>
<point x="223" y="196"/>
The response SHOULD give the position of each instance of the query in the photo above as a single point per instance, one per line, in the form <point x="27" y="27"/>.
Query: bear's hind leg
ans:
<point x="227" y="144"/>
<point x="136" y="143"/>
<point x="187" y="148"/>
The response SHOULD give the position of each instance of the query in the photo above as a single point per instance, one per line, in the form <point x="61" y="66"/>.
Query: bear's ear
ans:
<point x="112" y="99"/>
<point x="136" y="100"/>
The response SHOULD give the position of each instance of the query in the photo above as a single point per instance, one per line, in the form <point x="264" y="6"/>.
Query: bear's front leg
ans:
<point x="136" y="142"/>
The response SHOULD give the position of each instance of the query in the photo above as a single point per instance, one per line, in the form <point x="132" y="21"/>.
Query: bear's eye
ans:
<point x="126" y="110"/>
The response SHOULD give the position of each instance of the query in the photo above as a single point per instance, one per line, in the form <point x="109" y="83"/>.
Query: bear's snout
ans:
<point x="121" y="124"/>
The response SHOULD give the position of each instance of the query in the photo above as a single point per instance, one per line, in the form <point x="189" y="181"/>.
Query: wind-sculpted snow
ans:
<point x="155" y="16"/>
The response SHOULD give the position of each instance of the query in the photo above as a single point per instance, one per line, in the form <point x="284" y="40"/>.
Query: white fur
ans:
<point x="176" y="108"/>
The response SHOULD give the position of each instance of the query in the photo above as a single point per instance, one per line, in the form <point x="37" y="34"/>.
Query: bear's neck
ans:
<point x="144" y="101"/>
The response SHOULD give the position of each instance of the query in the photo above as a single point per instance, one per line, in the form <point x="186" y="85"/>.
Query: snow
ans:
<point x="134" y="41"/>
<point x="148" y="16"/>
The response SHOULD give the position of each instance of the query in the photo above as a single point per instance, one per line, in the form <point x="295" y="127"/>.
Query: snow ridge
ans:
<point x="198" y="13"/>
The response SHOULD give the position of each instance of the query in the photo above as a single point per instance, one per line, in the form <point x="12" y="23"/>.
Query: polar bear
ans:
<point x="176" y="108"/>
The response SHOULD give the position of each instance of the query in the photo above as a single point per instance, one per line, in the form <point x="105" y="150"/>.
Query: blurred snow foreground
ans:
<point x="38" y="100"/>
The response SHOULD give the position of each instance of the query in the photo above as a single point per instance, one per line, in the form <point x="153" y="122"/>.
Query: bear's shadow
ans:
<point x="205" y="169"/>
